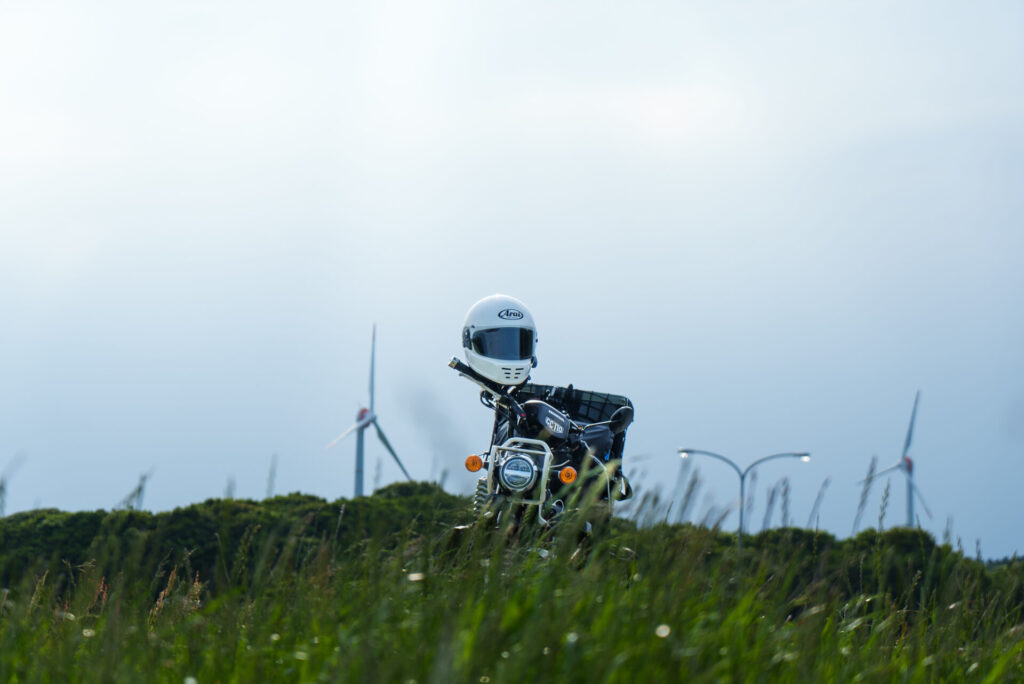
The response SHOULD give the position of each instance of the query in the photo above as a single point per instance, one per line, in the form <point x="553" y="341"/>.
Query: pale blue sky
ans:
<point x="767" y="225"/>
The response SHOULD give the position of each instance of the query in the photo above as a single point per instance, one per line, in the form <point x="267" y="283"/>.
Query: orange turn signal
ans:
<point x="567" y="475"/>
<point x="474" y="463"/>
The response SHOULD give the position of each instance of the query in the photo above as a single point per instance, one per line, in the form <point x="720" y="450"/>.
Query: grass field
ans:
<point x="379" y="589"/>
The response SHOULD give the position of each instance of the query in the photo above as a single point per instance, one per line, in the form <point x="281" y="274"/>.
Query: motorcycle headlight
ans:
<point x="517" y="473"/>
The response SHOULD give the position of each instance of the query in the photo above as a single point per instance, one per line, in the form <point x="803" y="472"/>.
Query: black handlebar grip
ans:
<point x="475" y="377"/>
<point x="461" y="367"/>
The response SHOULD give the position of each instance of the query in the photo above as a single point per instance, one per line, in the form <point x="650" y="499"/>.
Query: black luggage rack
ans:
<point x="582" y="405"/>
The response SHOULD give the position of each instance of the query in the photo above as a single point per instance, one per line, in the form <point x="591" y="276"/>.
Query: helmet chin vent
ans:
<point x="512" y="373"/>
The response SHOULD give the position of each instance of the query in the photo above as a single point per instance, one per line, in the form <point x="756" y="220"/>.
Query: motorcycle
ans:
<point x="550" y="447"/>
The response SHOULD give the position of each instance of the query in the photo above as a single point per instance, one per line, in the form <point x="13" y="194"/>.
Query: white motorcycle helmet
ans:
<point x="499" y="337"/>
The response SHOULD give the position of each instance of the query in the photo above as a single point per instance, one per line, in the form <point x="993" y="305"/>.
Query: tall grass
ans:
<point x="306" y="601"/>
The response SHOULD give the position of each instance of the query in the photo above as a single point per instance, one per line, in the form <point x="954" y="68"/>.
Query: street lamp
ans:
<point x="802" y="455"/>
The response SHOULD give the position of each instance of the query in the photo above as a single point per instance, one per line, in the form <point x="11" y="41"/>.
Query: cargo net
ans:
<point x="581" y="405"/>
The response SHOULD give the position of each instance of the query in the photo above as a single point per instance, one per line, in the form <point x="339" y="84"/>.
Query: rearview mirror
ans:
<point x="620" y="420"/>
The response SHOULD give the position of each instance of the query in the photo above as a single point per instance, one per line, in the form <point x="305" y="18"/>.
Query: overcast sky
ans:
<point x="769" y="224"/>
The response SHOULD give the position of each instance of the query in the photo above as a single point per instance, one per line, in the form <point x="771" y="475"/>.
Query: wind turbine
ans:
<point x="364" y="419"/>
<point x="907" y="466"/>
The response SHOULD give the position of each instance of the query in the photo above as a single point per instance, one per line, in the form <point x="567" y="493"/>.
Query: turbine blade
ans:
<point x="373" y="355"/>
<point x="910" y="429"/>
<point x="898" y="466"/>
<point x="882" y="472"/>
<point x="387" y="445"/>
<point x="920" y="498"/>
<point x="342" y="436"/>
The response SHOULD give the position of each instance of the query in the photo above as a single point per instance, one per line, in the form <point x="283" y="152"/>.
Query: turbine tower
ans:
<point x="907" y="466"/>
<point x="364" y="418"/>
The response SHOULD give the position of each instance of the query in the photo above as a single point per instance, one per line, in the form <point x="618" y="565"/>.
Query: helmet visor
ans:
<point x="504" y="344"/>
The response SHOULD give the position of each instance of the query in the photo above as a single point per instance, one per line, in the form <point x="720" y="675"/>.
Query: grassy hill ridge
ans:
<point x="299" y="589"/>
<point x="219" y="536"/>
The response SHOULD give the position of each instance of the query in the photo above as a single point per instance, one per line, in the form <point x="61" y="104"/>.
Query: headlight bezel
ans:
<point x="517" y="473"/>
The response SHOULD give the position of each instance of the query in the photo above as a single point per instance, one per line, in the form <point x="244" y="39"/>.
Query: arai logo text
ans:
<point x="510" y="314"/>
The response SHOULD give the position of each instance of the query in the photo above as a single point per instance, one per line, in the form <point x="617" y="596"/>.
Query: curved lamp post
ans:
<point x="802" y="455"/>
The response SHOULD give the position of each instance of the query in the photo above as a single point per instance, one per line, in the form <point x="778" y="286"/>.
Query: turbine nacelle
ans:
<point x="904" y="465"/>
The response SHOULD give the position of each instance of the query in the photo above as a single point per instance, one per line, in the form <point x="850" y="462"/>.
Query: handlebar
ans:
<point x="466" y="371"/>
<point x="498" y="391"/>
